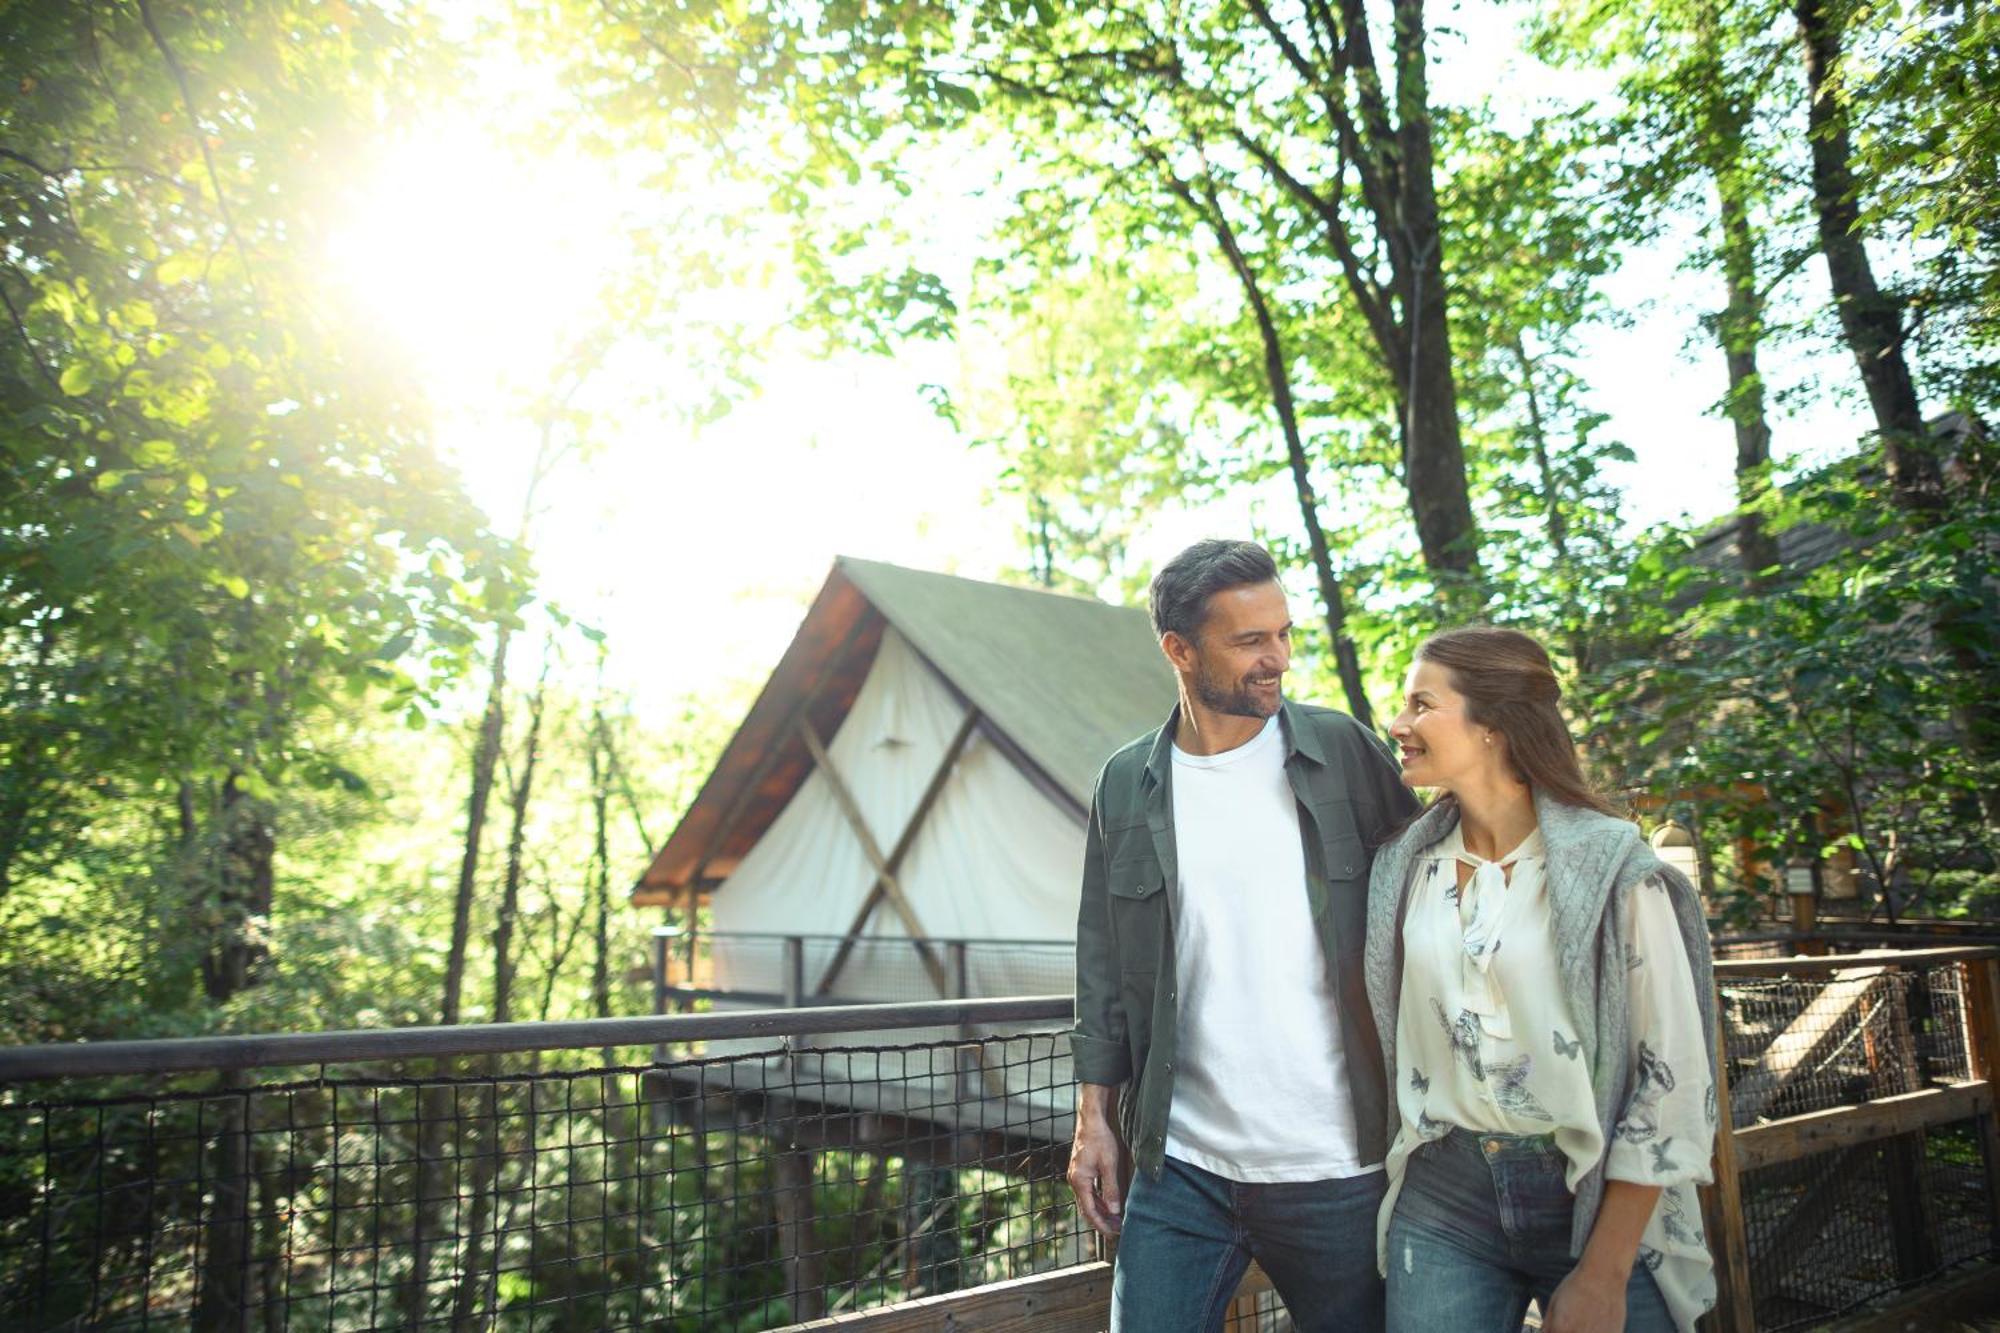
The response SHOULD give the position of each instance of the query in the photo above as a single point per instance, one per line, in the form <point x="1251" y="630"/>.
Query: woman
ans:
<point x="1542" y="988"/>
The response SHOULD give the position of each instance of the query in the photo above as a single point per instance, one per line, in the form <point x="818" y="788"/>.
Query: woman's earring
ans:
<point x="1489" y="738"/>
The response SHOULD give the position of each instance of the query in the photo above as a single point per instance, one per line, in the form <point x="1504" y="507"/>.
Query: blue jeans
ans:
<point x="1481" y="1226"/>
<point x="1190" y="1234"/>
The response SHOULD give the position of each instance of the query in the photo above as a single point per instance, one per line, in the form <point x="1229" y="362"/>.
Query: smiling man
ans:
<point x="1223" y="1038"/>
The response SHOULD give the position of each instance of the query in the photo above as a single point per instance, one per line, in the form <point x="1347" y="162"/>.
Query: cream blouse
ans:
<point x="1484" y="1042"/>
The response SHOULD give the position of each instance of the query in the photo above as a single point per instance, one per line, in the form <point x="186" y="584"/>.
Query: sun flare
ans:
<point x="474" y="259"/>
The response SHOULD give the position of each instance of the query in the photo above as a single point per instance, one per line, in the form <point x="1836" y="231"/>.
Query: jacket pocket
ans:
<point x="1138" y="911"/>
<point x="1346" y="857"/>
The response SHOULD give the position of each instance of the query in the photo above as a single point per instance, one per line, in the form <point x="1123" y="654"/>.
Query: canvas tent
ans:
<point x="919" y="766"/>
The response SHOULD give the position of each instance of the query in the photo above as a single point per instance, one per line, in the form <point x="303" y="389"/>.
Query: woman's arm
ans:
<point x="1665" y="1133"/>
<point x="1592" y="1297"/>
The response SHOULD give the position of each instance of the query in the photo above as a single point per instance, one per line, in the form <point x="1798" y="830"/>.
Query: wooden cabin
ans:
<point x="901" y="814"/>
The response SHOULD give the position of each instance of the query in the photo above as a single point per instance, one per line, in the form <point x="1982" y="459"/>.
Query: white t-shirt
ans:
<point x="1260" y="1083"/>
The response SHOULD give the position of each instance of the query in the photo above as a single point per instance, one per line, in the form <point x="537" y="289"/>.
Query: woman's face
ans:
<point x="1440" y="745"/>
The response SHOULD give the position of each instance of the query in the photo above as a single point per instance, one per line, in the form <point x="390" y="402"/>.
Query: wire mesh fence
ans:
<point x="739" y="1189"/>
<point x="1829" y="1230"/>
<point x="1803" y="1043"/>
<point x="1833" y="1230"/>
<point x="783" y="1171"/>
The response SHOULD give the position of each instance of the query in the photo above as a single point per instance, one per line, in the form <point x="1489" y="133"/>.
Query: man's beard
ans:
<point x="1236" y="700"/>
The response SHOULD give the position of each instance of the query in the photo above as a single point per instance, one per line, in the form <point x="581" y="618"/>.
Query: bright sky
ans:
<point x="697" y="550"/>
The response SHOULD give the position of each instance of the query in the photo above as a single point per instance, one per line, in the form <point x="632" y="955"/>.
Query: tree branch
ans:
<point x="179" y="73"/>
<point x="34" y="353"/>
<point x="1367" y="295"/>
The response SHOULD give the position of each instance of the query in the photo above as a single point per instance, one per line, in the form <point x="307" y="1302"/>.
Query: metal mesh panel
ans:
<point x="1808" y="1043"/>
<point x="1845" y="1225"/>
<point x="1835" y="1229"/>
<point x="743" y="1190"/>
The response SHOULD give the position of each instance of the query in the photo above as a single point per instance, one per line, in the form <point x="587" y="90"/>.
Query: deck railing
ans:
<point x="803" y="970"/>
<point x="1861" y="1154"/>
<point x="772" y="1167"/>
<point x="849" y="1167"/>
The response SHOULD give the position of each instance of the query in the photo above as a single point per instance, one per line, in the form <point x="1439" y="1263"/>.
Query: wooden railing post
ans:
<point x="795" y="971"/>
<point x="1912" y="1213"/>
<point x="660" y="986"/>
<point x="955" y="956"/>
<point x="1722" y="1209"/>
<point x="1982" y="1055"/>
<point x="659" y="969"/>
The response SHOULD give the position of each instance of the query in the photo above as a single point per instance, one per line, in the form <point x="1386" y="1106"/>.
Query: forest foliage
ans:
<point x="278" y="745"/>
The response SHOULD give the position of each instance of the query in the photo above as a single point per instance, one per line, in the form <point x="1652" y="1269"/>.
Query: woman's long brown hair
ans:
<point x="1510" y="687"/>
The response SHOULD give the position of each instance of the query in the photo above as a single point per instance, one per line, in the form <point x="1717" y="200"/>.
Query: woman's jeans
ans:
<point x="1189" y="1234"/>
<point x="1483" y="1225"/>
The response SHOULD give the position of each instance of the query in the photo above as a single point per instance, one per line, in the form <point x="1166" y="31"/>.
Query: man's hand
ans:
<point x="1094" y="1159"/>
<point x="1590" y="1300"/>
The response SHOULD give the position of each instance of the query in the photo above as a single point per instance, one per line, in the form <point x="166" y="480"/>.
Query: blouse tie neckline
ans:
<point x="1482" y="906"/>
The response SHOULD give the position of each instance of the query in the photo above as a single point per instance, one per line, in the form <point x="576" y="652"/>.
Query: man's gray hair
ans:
<point x="1180" y="591"/>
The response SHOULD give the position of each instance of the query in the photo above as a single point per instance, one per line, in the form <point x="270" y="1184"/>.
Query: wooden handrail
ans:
<point x="1802" y="963"/>
<point x="1076" y="1299"/>
<point x="82" y="1059"/>
<point x="1799" y="1136"/>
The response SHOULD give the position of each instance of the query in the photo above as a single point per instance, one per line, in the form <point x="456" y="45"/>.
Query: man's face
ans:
<point x="1237" y="663"/>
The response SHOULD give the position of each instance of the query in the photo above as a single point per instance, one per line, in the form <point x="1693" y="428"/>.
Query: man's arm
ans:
<point x="1096" y="1158"/>
<point x="1097" y="1047"/>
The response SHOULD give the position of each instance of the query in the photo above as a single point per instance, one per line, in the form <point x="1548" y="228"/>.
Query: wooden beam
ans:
<point x="1845" y="1126"/>
<point x="885" y="877"/>
<point x="1801" y="965"/>
<point x="1912" y="1211"/>
<point x="1982" y="1049"/>
<point x="895" y="862"/>
<point x="1068" y="1300"/>
<point x="1805" y="1040"/>
<point x="1076" y="1299"/>
<point x="793" y="716"/>
<point x="1722" y="1208"/>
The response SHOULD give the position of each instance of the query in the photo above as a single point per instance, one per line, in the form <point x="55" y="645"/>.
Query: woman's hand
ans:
<point x="1590" y="1300"/>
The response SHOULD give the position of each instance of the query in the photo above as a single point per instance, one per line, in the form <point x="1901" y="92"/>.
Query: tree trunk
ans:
<point x="1555" y="522"/>
<point x="805" y="1281"/>
<point x="435" y="1103"/>
<point x="486" y="1167"/>
<point x="1873" y="323"/>
<point x="243" y="893"/>
<point x="1433" y="452"/>
<point x="485" y="758"/>
<point x="600" y="887"/>
<point x="1871" y="319"/>
<point x="1277" y="373"/>
<point x="1741" y="329"/>
<point x="222" y="1298"/>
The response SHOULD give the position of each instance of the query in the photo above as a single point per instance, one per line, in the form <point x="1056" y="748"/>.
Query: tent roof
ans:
<point x="1061" y="681"/>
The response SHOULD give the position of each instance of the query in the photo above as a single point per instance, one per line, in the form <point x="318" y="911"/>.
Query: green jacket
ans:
<point x="1350" y="798"/>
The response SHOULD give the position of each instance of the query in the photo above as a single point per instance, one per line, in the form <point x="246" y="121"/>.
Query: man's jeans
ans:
<point x="1189" y="1235"/>
<point x="1482" y="1225"/>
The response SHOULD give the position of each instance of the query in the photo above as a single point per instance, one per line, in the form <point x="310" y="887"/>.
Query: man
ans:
<point x="1222" y="1023"/>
